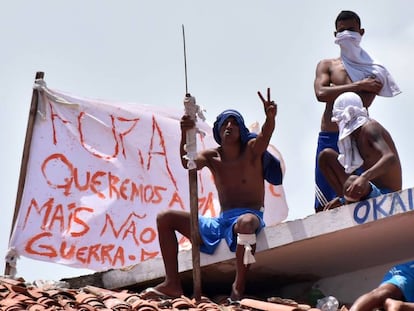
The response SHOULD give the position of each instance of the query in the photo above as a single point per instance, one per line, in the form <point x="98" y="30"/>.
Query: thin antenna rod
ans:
<point x="185" y="62"/>
<point x="193" y="191"/>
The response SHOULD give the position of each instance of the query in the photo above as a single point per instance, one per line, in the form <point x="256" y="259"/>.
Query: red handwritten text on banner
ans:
<point x="98" y="174"/>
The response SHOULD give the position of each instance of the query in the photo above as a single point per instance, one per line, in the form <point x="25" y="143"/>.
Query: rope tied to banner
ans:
<point x="193" y="111"/>
<point x="42" y="89"/>
<point x="11" y="258"/>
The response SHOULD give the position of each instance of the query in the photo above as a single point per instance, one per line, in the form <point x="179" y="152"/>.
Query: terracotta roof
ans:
<point x="16" y="294"/>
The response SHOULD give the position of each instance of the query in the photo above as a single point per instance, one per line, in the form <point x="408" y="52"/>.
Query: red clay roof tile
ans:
<point x="18" y="295"/>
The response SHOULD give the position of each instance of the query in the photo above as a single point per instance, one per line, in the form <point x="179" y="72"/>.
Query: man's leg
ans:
<point x="332" y="170"/>
<point x="246" y="224"/>
<point x="324" y="193"/>
<point x="167" y="223"/>
<point x="398" y="305"/>
<point x="376" y="298"/>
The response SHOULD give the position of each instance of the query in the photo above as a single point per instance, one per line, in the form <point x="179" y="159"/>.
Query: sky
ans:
<point x="132" y="51"/>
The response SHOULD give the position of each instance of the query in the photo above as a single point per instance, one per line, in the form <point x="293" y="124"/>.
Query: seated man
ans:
<point x="238" y="166"/>
<point x="395" y="293"/>
<point x="367" y="164"/>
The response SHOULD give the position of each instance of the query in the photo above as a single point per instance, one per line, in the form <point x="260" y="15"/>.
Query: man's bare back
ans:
<point x="371" y="138"/>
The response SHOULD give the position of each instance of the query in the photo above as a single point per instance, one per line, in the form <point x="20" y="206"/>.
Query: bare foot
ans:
<point x="236" y="293"/>
<point x="163" y="290"/>
<point x="334" y="203"/>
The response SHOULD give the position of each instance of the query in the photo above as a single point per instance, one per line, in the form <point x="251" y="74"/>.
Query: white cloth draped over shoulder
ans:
<point x="360" y="65"/>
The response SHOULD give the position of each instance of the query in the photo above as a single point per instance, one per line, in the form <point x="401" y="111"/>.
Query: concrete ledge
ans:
<point x="350" y="238"/>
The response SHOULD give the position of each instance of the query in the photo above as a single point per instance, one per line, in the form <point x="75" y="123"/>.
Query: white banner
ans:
<point x="98" y="174"/>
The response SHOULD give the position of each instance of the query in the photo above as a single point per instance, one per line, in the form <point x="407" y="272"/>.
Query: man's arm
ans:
<point x="374" y="139"/>
<point x="262" y="140"/>
<point x="377" y="142"/>
<point x="327" y="91"/>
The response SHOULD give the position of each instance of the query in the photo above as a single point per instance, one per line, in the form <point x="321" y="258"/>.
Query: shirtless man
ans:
<point x="368" y="164"/>
<point x="395" y="292"/>
<point x="332" y="80"/>
<point x="238" y="174"/>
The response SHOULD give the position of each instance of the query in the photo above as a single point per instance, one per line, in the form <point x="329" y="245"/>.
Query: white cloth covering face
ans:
<point x="359" y="64"/>
<point x="349" y="113"/>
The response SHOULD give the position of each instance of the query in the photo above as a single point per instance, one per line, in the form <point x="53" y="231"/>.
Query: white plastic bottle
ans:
<point x="329" y="303"/>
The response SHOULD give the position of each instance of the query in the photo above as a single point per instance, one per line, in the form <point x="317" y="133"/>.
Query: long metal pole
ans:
<point x="193" y="185"/>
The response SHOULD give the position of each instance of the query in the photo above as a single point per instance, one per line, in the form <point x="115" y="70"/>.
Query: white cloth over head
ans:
<point x="359" y="64"/>
<point x="349" y="113"/>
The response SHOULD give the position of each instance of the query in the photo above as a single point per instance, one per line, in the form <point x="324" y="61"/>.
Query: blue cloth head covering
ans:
<point x="244" y="132"/>
<point x="272" y="171"/>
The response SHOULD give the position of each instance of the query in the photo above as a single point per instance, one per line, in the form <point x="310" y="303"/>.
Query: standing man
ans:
<point x="238" y="165"/>
<point x="367" y="164"/>
<point x="354" y="71"/>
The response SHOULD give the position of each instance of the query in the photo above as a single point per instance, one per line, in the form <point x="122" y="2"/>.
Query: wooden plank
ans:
<point x="25" y="158"/>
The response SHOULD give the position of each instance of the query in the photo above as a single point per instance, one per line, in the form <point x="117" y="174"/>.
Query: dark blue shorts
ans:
<point x="214" y="229"/>
<point x="376" y="191"/>
<point x="324" y="193"/>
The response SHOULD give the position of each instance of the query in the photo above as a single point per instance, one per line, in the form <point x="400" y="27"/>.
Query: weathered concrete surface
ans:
<point x="327" y="245"/>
